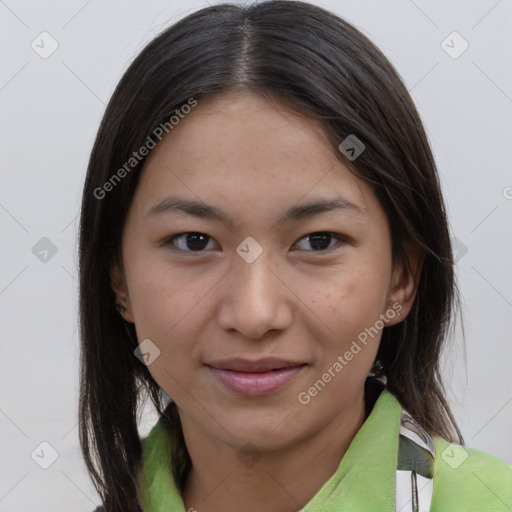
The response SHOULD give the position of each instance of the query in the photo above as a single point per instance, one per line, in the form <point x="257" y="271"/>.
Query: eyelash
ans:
<point x="341" y="239"/>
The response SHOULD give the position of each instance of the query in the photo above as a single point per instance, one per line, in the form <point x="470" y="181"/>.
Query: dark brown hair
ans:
<point x="323" y="67"/>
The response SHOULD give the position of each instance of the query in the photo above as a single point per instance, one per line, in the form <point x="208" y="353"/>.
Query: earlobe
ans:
<point x="120" y="289"/>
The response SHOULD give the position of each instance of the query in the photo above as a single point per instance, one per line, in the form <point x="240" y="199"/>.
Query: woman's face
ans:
<point x="228" y="309"/>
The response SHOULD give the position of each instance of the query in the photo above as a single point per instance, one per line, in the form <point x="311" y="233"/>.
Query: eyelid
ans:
<point x="341" y="239"/>
<point x="170" y="239"/>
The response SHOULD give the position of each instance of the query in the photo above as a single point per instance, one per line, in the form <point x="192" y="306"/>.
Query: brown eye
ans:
<point x="190" y="242"/>
<point x="320" y="241"/>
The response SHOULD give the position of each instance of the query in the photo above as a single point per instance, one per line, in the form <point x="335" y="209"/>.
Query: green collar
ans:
<point x="364" y="480"/>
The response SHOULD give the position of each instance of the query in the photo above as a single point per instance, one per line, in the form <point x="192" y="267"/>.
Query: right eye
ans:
<point x="189" y="241"/>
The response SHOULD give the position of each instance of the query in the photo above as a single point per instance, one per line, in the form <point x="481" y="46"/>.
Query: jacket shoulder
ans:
<point x="469" y="479"/>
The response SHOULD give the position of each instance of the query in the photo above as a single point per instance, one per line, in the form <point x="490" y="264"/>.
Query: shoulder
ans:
<point x="469" y="479"/>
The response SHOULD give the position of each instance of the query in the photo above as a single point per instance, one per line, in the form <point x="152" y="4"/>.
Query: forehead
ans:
<point x="246" y="148"/>
<point x="249" y="127"/>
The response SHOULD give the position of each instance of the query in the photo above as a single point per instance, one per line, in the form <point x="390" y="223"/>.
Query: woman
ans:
<point x="264" y="253"/>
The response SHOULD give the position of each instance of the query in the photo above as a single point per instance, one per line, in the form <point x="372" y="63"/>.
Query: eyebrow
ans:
<point x="204" y="211"/>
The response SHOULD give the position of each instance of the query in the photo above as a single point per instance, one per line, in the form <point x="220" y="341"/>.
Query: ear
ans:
<point x="404" y="284"/>
<point x="120" y="289"/>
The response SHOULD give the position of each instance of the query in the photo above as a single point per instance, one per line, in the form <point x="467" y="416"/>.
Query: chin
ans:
<point x="265" y="430"/>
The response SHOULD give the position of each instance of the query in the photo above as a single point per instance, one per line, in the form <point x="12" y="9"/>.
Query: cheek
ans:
<point x="169" y="311"/>
<point x="352" y="294"/>
<point x="162" y="297"/>
<point x="349" y="303"/>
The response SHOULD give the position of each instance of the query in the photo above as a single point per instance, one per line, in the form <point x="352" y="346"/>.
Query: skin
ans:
<point x="254" y="159"/>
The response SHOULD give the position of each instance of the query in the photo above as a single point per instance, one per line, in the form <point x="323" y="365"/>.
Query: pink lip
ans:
<point x="255" y="378"/>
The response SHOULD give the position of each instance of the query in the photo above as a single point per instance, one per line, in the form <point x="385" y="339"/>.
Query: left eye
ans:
<point x="321" y="240"/>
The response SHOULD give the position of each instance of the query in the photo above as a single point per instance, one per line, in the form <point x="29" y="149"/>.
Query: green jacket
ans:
<point x="465" y="480"/>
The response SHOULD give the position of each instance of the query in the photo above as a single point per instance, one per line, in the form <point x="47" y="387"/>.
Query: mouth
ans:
<point x="255" y="378"/>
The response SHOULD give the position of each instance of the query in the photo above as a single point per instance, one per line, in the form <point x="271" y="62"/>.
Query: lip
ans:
<point x="255" y="378"/>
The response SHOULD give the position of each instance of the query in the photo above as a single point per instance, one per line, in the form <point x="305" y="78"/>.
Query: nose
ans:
<point x="255" y="299"/>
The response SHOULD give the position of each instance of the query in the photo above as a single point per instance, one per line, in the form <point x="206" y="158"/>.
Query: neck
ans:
<point x="282" y="480"/>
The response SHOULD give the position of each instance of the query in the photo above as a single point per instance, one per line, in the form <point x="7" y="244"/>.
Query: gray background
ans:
<point x="50" y="111"/>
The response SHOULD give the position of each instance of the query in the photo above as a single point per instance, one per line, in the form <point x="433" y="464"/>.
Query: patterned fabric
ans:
<point x="415" y="466"/>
